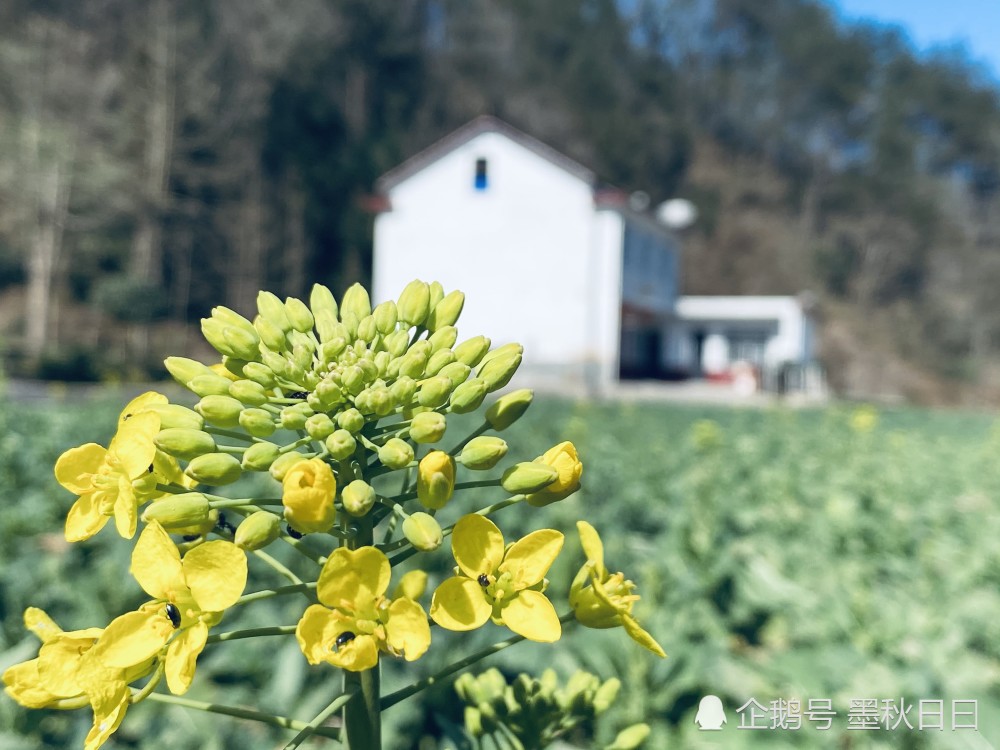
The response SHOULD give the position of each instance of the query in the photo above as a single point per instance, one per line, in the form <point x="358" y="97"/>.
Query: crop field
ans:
<point x="829" y="557"/>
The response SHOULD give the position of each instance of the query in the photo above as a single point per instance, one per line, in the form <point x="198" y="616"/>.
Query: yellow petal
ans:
<point x="477" y="544"/>
<point x="156" y="564"/>
<point x="126" y="516"/>
<point x="109" y="700"/>
<point x="182" y="655"/>
<point x="593" y="548"/>
<point x="21" y="682"/>
<point x="353" y="575"/>
<point x="39" y="623"/>
<point x="140" y="403"/>
<point x="133" y="638"/>
<point x="59" y="661"/>
<point x="84" y="518"/>
<point x="532" y="615"/>
<point x="407" y="630"/>
<point x="317" y="630"/>
<point x="216" y="573"/>
<point x="356" y="655"/>
<point x="640" y="636"/>
<point x="459" y="604"/>
<point x="75" y="467"/>
<point x="529" y="558"/>
<point x="133" y="445"/>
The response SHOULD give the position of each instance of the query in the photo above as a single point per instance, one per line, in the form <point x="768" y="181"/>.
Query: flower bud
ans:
<point x="564" y="460"/>
<point x="223" y="411"/>
<point x="435" y="480"/>
<point x="396" y="454"/>
<point x="414" y="303"/>
<point x="436" y="294"/>
<point x="468" y="396"/>
<point x="411" y="586"/>
<point x="358" y="497"/>
<point x="272" y="309"/>
<point x="184" y="370"/>
<point x="439" y="360"/>
<point x="396" y="343"/>
<point x="175" y="415"/>
<point x="272" y="336"/>
<point x="283" y="463"/>
<point x="423" y="532"/>
<point x="276" y="363"/>
<point x="260" y="456"/>
<point x="248" y="392"/>
<point x="183" y="443"/>
<point x="497" y="371"/>
<point x="213" y="331"/>
<point x="257" y="422"/>
<point x="353" y="379"/>
<point x="367" y="330"/>
<point x="209" y="385"/>
<point x="434" y="392"/>
<point x="403" y="390"/>
<point x="294" y="417"/>
<point x="605" y="695"/>
<point x="630" y="737"/>
<point x="413" y="362"/>
<point x="244" y="344"/>
<point x="443" y="338"/>
<point x="355" y="302"/>
<point x="308" y="490"/>
<point x="321" y="301"/>
<point x="446" y="312"/>
<point x="380" y="401"/>
<point x="385" y="316"/>
<point x="482" y="453"/>
<point x="329" y="330"/>
<point x="351" y="420"/>
<point x="471" y="351"/>
<point x="298" y="315"/>
<point x="528" y="476"/>
<point x="257" y="530"/>
<point x="232" y="368"/>
<point x="428" y="427"/>
<point x="320" y="426"/>
<point x="231" y="318"/>
<point x="456" y="372"/>
<point x="214" y="469"/>
<point x="259" y="373"/>
<point x="178" y="511"/>
<point x="508" y="409"/>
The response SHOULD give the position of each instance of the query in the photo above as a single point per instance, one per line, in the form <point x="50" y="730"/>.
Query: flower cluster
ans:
<point x="345" y="407"/>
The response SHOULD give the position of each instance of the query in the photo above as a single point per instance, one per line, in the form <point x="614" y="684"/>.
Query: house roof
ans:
<point x="472" y="129"/>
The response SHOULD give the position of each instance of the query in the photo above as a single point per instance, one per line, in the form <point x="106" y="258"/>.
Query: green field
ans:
<point x="830" y="554"/>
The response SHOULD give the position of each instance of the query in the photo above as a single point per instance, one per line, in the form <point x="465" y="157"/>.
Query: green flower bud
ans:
<point x="260" y="456"/>
<point x="329" y="328"/>
<point x="396" y="343"/>
<point x="355" y="302"/>
<point x="435" y="480"/>
<point x="439" y="360"/>
<point x="385" y="316"/>
<point x="341" y="445"/>
<point x="468" y="396"/>
<point x="223" y="411"/>
<point x="272" y="309"/>
<point x="294" y="418"/>
<point x="473" y="720"/>
<point x="257" y="422"/>
<point x="527" y="477"/>
<point x="382" y="360"/>
<point x="329" y="394"/>
<point x="351" y="420"/>
<point x="606" y="694"/>
<point x="302" y="358"/>
<point x="434" y="391"/>
<point x="471" y="351"/>
<point x="353" y="379"/>
<point x="456" y="372"/>
<point x="257" y="530"/>
<point x="320" y="426"/>
<point x="358" y="498"/>
<point x="298" y="315"/>
<point x="184" y="370"/>
<point x="446" y="312"/>
<point x="243" y="344"/>
<point x="630" y="737"/>
<point x="396" y="454"/>
<point x="436" y="294"/>
<point x="428" y="427"/>
<point x="321" y="301"/>
<point x="403" y="390"/>
<point x="443" y="338"/>
<point x="368" y="370"/>
<point x="213" y="331"/>
<point x="259" y="373"/>
<point x="214" y="469"/>
<point x="367" y="329"/>
<point x="414" y="303"/>
<point x="234" y="366"/>
<point x="423" y="532"/>
<point x="272" y="336"/>
<point x="175" y="415"/>
<point x="232" y="318"/>
<point x="276" y="363"/>
<point x="380" y="401"/>
<point x="283" y="463"/>
<point x="483" y="453"/>
<point x="183" y="443"/>
<point x="178" y="511"/>
<point x="412" y="363"/>
<point x="248" y="392"/>
<point x="497" y="371"/>
<point x="210" y="385"/>
<point x="508" y="409"/>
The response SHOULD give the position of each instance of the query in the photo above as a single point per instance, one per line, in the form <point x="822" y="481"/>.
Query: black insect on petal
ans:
<point x="344" y="638"/>
<point x="483" y="580"/>
<point x="151" y="468"/>
<point x="293" y="533"/>
<point x="297" y="394"/>
<point x="174" y="614"/>
<point x="191" y="537"/>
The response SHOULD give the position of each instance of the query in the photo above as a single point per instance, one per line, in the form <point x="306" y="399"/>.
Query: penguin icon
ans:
<point x="711" y="715"/>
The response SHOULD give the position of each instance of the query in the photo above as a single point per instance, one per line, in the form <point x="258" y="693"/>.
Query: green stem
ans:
<point x="279" y="567"/>
<point x="317" y="722"/>
<point x="242" y="502"/>
<point x="269" y="593"/>
<point x="244" y="713"/>
<point x="149" y="686"/>
<point x="479" y="483"/>
<point x="362" y="720"/>
<point x="234" y="450"/>
<point x="475" y="433"/>
<point x="228" y="433"/>
<point x="236" y="635"/>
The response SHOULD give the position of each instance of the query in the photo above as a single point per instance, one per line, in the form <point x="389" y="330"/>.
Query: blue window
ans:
<point x="480" y="181"/>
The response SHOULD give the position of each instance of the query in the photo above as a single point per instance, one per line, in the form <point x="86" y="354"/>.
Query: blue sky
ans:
<point x="973" y="23"/>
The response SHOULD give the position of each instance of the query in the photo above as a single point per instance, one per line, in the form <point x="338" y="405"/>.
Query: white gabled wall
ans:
<point x="523" y="250"/>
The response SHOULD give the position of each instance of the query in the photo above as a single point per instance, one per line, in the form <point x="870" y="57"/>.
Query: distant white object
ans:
<point x="715" y="355"/>
<point x="638" y="201"/>
<point x="677" y="213"/>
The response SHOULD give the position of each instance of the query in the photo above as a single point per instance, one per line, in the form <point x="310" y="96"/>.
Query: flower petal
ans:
<point x="640" y="636"/>
<point x="182" y="655"/>
<point x="156" y="563"/>
<point x="356" y="655"/>
<point x="75" y="467"/>
<point x="140" y="403"/>
<point x="109" y="701"/>
<point x="347" y="573"/>
<point x="216" y="573"/>
<point x="84" y="518"/>
<point x="59" y="662"/>
<point x="529" y="558"/>
<point x="407" y="631"/>
<point x="532" y="615"/>
<point x="22" y="683"/>
<point x="317" y="631"/>
<point x="593" y="548"/>
<point x="459" y="604"/>
<point x="39" y="623"/>
<point x="133" y="445"/>
<point x="126" y="516"/>
<point x="133" y="638"/>
<point x="477" y="544"/>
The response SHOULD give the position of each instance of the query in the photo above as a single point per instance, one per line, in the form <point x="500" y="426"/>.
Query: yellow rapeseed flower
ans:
<point x="358" y="620"/>
<point x="189" y="594"/>
<point x="608" y="599"/>
<point x="309" y="488"/>
<point x="563" y="458"/>
<point x="504" y="583"/>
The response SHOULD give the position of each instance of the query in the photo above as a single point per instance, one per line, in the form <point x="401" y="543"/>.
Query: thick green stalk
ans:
<point x="362" y="720"/>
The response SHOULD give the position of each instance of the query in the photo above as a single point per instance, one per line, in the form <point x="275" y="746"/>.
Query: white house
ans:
<point x="546" y="258"/>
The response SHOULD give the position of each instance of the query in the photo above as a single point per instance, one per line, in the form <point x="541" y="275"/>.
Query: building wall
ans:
<point x="534" y="258"/>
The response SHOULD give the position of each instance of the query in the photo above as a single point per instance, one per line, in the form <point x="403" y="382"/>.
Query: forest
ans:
<point x="157" y="158"/>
